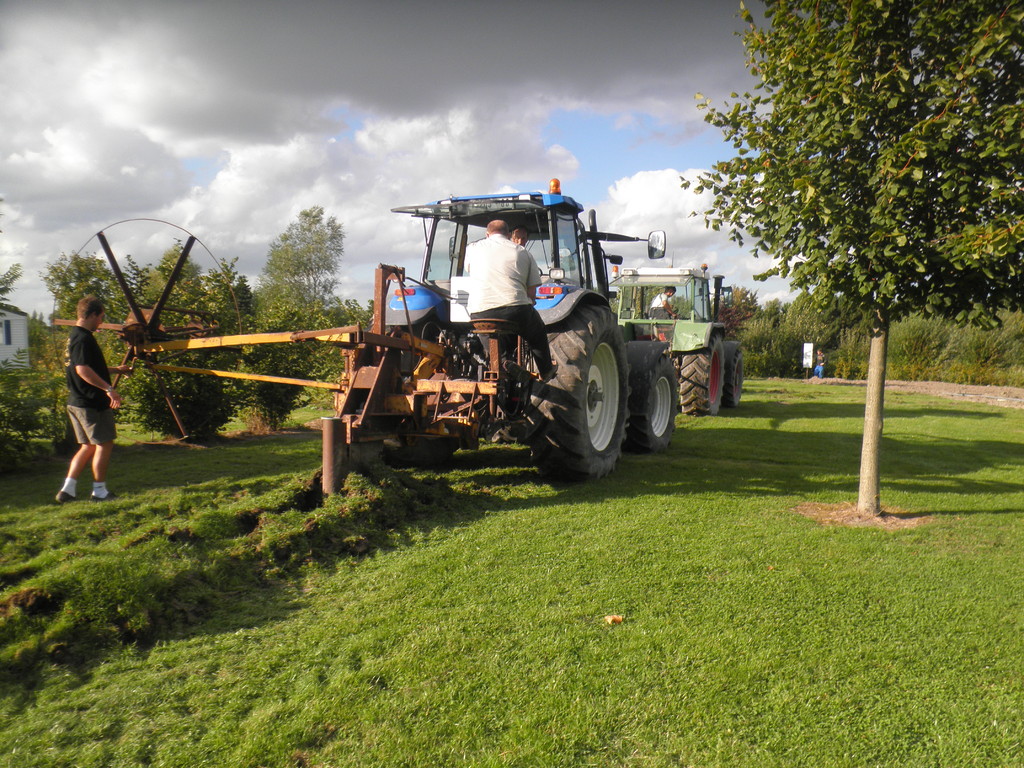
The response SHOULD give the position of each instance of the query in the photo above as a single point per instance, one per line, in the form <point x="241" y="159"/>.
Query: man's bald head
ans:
<point x="497" y="227"/>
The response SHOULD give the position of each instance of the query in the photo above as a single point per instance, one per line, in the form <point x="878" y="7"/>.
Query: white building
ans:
<point x="13" y="335"/>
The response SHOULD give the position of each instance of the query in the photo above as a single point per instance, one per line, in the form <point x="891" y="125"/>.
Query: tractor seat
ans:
<point x="493" y="326"/>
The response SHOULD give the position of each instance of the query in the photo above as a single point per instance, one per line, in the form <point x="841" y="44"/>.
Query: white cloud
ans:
<point x="229" y="118"/>
<point x="651" y="200"/>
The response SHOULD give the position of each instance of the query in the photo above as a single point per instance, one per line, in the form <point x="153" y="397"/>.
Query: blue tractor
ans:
<point x="455" y="381"/>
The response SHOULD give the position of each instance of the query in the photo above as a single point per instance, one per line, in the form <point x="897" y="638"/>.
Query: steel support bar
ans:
<point x="350" y="335"/>
<point x="101" y="326"/>
<point x="456" y="386"/>
<point x="339" y="457"/>
<point x="333" y="447"/>
<point x="347" y="331"/>
<point x="247" y="376"/>
<point x="384" y="275"/>
<point x="154" y="318"/>
<point x="216" y="342"/>
<point x="119" y="276"/>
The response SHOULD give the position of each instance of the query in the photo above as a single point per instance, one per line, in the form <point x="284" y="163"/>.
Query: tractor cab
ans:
<point x="571" y="259"/>
<point x="666" y="304"/>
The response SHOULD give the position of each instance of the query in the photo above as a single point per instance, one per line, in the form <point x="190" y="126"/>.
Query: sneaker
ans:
<point x="109" y="497"/>
<point x="63" y="497"/>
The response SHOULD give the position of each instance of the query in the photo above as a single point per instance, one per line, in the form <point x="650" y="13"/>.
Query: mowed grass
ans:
<point x="751" y="636"/>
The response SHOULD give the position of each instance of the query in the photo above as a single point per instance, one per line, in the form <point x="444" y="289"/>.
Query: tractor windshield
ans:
<point x="448" y="239"/>
<point x="549" y="220"/>
<point x="443" y="251"/>
<point x="648" y="301"/>
<point x="569" y="249"/>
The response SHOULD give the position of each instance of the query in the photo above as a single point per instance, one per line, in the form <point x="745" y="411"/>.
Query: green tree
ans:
<point x="302" y="265"/>
<point x="7" y="281"/>
<point x="22" y="397"/>
<point x="738" y="306"/>
<point x="215" y="298"/>
<point x="75" y="275"/>
<point x="881" y="159"/>
<point x="296" y="291"/>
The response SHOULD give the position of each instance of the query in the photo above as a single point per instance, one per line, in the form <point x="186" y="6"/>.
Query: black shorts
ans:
<point x="92" y="427"/>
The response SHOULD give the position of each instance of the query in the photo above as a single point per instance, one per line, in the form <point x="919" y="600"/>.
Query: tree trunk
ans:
<point x="869" y="495"/>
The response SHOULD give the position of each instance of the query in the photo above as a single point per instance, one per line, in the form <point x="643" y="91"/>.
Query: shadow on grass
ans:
<point x="780" y="413"/>
<point x="146" y="466"/>
<point x="712" y="456"/>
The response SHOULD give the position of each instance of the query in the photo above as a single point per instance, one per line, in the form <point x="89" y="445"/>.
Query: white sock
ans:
<point x="99" y="490"/>
<point x="70" y="486"/>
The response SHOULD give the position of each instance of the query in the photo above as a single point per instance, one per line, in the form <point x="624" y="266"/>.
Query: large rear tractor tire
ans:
<point x="653" y="402"/>
<point x="732" y="381"/>
<point x="578" y="417"/>
<point x="700" y="380"/>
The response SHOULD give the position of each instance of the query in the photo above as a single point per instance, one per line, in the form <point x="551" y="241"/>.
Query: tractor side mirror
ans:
<point x="656" y="244"/>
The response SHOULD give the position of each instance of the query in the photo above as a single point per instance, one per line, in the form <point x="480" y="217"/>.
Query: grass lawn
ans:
<point x="474" y="632"/>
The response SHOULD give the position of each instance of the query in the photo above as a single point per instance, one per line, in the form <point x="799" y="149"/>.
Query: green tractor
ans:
<point x="677" y="306"/>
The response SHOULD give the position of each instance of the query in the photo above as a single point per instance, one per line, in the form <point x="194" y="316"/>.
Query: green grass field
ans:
<point x="458" y="619"/>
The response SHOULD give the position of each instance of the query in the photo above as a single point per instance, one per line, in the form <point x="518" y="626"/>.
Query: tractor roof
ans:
<point x="480" y="209"/>
<point x="656" y="275"/>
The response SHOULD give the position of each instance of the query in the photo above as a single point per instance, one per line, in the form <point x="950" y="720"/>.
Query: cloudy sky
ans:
<point x="227" y="118"/>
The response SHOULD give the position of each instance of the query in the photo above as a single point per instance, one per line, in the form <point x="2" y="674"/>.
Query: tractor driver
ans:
<point x="503" y="286"/>
<point x="661" y="307"/>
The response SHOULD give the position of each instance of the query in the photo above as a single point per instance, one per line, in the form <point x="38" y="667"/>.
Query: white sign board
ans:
<point x="808" y="355"/>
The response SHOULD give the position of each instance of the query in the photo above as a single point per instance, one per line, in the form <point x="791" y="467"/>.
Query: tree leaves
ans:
<point x="881" y="149"/>
<point x="302" y="264"/>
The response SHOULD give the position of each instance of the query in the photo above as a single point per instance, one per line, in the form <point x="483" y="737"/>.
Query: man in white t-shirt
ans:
<point x="661" y="307"/>
<point x="503" y="284"/>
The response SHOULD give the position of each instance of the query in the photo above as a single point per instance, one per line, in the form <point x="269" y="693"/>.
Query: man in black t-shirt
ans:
<point x="91" y="399"/>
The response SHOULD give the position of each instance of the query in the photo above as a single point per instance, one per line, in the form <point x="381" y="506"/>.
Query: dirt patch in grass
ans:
<point x="848" y="515"/>
<point x="1006" y="397"/>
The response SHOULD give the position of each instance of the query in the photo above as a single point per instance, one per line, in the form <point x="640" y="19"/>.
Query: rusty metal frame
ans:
<point x="375" y="399"/>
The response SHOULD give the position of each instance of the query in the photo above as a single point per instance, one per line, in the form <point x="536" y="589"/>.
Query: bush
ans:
<point x="204" y="403"/>
<point x="918" y="349"/>
<point x="265" y="405"/>
<point x="23" y="405"/>
<point x="923" y="349"/>
<point x="773" y="339"/>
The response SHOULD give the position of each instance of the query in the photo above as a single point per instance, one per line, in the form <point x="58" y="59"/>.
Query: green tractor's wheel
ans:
<point x="578" y="417"/>
<point x="653" y="402"/>
<point x="700" y="380"/>
<point x="732" y="381"/>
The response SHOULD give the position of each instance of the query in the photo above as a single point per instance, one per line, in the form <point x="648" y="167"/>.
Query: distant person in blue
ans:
<point x="819" y="369"/>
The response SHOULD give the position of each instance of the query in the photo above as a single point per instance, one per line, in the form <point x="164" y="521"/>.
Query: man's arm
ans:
<point x="666" y="302"/>
<point x="533" y="276"/>
<point x="531" y="291"/>
<point x="89" y="376"/>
